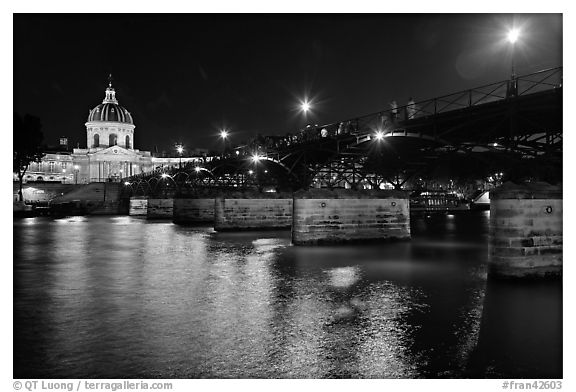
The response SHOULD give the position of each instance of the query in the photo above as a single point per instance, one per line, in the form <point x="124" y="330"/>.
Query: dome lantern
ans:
<point x="110" y="93"/>
<point x="109" y="109"/>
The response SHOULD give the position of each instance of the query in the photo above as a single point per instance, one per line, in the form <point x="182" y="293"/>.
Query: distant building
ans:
<point x="109" y="154"/>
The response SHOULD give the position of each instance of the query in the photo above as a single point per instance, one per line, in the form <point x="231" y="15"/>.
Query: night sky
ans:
<point x="183" y="77"/>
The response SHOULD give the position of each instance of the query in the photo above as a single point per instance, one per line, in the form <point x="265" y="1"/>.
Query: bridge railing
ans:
<point x="395" y="118"/>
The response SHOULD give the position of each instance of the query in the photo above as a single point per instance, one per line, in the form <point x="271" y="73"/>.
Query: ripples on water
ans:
<point x="115" y="297"/>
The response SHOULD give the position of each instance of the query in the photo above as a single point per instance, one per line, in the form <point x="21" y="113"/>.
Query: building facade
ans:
<point x="109" y="154"/>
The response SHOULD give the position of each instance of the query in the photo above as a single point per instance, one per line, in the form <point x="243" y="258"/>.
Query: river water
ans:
<point x="122" y="297"/>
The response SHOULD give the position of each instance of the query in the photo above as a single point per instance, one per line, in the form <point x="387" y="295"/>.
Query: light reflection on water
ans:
<point x="114" y="297"/>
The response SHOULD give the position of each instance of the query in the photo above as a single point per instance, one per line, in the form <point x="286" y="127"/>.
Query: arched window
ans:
<point x="127" y="141"/>
<point x="96" y="140"/>
<point x="112" y="139"/>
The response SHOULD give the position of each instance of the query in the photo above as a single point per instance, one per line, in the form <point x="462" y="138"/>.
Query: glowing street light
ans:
<point x="224" y="136"/>
<point x="379" y="135"/>
<point x="513" y="35"/>
<point x="250" y="172"/>
<point x="76" y="168"/>
<point x="305" y="106"/>
<point x="164" y="175"/>
<point x="256" y="158"/>
<point x="180" y="150"/>
<point x="197" y="169"/>
<point x="126" y="183"/>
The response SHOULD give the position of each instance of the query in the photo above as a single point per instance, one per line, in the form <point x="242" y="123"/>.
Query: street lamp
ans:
<point x="224" y="136"/>
<point x="180" y="150"/>
<point x="379" y="135"/>
<point x="76" y="167"/>
<point x="513" y="35"/>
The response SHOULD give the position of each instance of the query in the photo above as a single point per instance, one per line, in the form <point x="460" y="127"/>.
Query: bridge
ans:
<point x="511" y="128"/>
<point x="345" y="181"/>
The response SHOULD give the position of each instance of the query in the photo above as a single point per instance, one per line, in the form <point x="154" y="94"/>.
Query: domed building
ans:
<point x="109" y="124"/>
<point x="109" y="154"/>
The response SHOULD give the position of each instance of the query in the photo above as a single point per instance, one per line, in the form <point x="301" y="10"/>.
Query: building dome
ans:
<point x="109" y="110"/>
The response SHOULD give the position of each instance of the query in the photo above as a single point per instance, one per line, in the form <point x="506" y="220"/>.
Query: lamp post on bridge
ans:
<point x="513" y="35"/>
<point x="76" y="168"/>
<point x="224" y="136"/>
<point x="180" y="150"/>
<point x="305" y="106"/>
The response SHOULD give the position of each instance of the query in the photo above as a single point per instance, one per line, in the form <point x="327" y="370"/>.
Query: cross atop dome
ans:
<point x="110" y="93"/>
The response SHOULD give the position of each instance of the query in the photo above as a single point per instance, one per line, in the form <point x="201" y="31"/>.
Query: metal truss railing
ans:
<point x="353" y="131"/>
<point x="395" y="118"/>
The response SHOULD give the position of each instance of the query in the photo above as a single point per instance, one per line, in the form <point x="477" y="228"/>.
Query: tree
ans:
<point x="27" y="145"/>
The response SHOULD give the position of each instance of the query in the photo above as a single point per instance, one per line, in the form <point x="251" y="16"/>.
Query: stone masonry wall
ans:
<point x="138" y="206"/>
<point x="160" y="208"/>
<point x="526" y="237"/>
<point x="193" y="210"/>
<point x="341" y="216"/>
<point x="252" y="213"/>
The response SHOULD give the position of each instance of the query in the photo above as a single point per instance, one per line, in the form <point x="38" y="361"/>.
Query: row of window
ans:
<point x="112" y="140"/>
<point x="37" y="166"/>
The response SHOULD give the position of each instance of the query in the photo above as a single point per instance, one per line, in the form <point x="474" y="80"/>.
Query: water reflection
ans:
<point x="521" y="331"/>
<point x="122" y="297"/>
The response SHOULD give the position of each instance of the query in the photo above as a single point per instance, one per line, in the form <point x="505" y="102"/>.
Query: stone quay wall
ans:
<point x="253" y="211"/>
<point x="526" y="230"/>
<point x="189" y="211"/>
<point x="344" y="216"/>
<point x="138" y="206"/>
<point x="160" y="208"/>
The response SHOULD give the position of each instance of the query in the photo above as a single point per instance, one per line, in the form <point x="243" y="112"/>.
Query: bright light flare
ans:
<point x="180" y="149"/>
<point x="256" y="158"/>
<point x="224" y="134"/>
<point x="126" y="183"/>
<point x="379" y="135"/>
<point x="164" y="175"/>
<point x="513" y="35"/>
<point x="197" y="169"/>
<point x="250" y="172"/>
<point x="305" y="106"/>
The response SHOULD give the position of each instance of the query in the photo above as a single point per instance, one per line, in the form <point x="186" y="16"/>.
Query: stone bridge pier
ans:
<point x="347" y="216"/>
<point x="526" y="230"/>
<point x="252" y="210"/>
